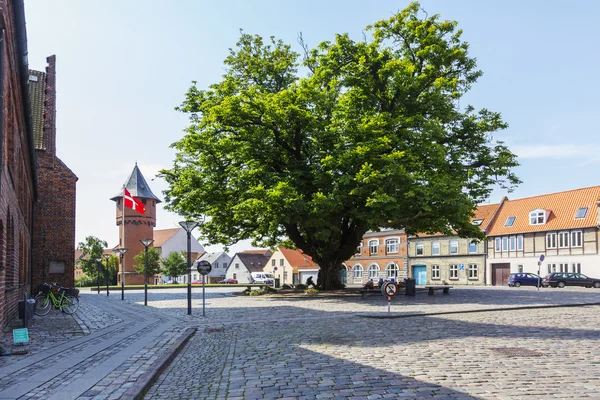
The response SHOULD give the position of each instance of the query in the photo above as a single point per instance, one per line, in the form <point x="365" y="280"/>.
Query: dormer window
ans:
<point x="537" y="217"/>
<point x="581" y="212"/>
<point x="477" y="222"/>
<point x="510" y="221"/>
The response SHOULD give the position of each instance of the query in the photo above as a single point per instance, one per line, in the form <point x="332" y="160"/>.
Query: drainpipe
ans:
<point x="1" y="98"/>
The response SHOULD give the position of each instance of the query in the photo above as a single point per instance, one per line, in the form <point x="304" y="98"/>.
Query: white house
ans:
<point x="246" y="262"/>
<point x="291" y="266"/>
<point x="175" y="239"/>
<point x="219" y="262"/>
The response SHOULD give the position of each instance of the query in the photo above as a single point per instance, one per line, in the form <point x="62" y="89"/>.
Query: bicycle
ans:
<point x="67" y="300"/>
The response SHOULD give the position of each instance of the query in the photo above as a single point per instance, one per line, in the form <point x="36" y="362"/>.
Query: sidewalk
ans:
<point x="109" y="349"/>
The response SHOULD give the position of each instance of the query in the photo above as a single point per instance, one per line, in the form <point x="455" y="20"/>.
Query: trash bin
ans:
<point x="30" y="308"/>
<point x="410" y="287"/>
<point x="277" y="282"/>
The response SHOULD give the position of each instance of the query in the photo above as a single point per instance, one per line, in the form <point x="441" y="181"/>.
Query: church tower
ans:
<point x="137" y="226"/>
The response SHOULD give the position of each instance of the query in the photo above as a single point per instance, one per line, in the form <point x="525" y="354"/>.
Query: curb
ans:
<point x="393" y="316"/>
<point x="141" y="386"/>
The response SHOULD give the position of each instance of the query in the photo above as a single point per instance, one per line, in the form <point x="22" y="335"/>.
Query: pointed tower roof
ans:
<point x="137" y="186"/>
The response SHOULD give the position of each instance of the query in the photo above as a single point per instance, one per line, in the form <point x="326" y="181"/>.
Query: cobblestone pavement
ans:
<point x="322" y="348"/>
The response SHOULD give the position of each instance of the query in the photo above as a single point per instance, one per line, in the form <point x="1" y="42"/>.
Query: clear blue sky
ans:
<point x="124" y="65"/>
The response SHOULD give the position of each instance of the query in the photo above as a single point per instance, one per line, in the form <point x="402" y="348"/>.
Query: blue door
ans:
<point x="420" y="274"/>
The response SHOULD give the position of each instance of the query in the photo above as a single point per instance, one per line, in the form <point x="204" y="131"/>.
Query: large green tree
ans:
<point x="92" y="249"/>
<point x="154" y="264"/>
<point x="175" y="264"/>
<point x="375" y="134"/>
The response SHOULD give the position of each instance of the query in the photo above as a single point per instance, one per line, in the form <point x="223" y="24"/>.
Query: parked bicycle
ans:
<point x="66" y="300"/>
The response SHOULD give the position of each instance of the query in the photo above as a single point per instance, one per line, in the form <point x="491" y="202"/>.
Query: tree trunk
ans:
<point x="329" y="275"/>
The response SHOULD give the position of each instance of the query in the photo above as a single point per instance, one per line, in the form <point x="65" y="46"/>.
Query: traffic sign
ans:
<point x="204" y="267"/>
<point x="542" y="257"/>
<point x="462" y="267"/>
<point x="20" y="335"/>
<point x="389" y="289"/>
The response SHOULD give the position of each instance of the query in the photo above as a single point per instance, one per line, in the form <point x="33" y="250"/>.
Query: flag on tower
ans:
<point x="133" y="203"/>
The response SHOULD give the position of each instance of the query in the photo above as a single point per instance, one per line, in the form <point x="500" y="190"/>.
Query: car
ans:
<point x="562" y="279"/>
<point x="193" y="282"/>
<point x="229" y="281"/>
<point x="524" y="279"/>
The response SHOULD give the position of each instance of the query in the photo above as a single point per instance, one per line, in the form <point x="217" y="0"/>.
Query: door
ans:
<point x="420" y="274"/>
<point x="500" y="273"/>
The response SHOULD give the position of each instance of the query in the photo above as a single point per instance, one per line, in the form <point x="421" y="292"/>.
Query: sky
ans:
<point x="124" y="65"/>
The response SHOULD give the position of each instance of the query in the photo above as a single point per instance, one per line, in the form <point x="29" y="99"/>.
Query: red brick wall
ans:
<point x="16" y="177"/>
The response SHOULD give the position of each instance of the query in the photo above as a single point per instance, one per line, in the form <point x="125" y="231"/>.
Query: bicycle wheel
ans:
<point x="43" y="304"/>
<point x="69" y="304"/>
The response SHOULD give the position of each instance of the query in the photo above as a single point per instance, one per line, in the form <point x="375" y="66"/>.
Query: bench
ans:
<point x="364" y="292"/>
<point x="433" y="288"/>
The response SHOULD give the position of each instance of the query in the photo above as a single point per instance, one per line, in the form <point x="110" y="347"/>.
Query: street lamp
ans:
<point x="106" y="256"/>
<point x="99" y="260"/>
<point x="146" y="243"/>
<point x="121" y="251"/>
<point x="189" y="227"/>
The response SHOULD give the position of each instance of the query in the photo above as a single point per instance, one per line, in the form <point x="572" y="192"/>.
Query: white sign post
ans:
<point x="389" y="289"/>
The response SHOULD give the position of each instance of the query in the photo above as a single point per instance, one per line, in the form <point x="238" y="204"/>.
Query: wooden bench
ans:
<point x="433" y="288"/>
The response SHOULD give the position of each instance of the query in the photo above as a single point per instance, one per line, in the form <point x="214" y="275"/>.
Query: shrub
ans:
<point x="269" y="289"/>
<point x="311" y="292"/>
<point x="255" y="292"/>
<point x="300" y="287"/>
<point x="286" y="286"/>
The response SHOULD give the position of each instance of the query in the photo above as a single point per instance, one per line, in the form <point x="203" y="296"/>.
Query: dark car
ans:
<point x="562" y="279"/>
<point x="231" y="281"/>
<point x="524" y="279"/>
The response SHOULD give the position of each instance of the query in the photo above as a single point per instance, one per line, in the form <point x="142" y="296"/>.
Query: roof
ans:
<point x="256" y="251"/>
<point x="137" y="186"/>
<point x="253" y="262"/>
<point x="297" y="258"/>
<point x="487" y="213"/>
<point x="211" y="257"/>
<point x="162" y="235"/>
<point x="561" y="206"/>
<point x="37" y="90"/>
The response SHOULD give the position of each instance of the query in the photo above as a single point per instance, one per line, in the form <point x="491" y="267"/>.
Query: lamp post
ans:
<point x="99" y="260"/>
<point x="146" y="243"/>
<point x="121" y="251"/>
<point x="189" y="227"/>
<point x="106" y="257"/>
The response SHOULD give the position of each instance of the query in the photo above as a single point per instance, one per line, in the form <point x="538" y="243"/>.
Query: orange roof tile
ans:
<point x="562" y="207"/>
<point x="297" y="258"/>
<point x="485" y="212"/>
<point x="162" y="235"/>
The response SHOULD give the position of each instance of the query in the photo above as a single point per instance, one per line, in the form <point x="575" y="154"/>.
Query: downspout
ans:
<point x="1" y="97"/>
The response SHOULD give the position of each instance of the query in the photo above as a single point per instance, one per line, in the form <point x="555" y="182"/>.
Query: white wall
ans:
<point x="241" y="274"/>
<point x="178" y="242"/>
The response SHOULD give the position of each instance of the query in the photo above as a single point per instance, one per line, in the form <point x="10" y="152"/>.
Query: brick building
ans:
<point x="18" y="187"/>
<point x="54" y="211"/>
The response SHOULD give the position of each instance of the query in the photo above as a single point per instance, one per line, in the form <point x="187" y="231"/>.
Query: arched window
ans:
<point x="374" y="271"/>
<point x="391" y="271"/>
<point x="357" y="271"/>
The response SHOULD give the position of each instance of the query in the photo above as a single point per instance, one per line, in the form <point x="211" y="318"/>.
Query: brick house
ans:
<point x="435" y="259"/>
<point x="381" y="254"/>
<point x="563" y="227"/>
<point x="54" y="211"/>
<point x="291" y="266"/>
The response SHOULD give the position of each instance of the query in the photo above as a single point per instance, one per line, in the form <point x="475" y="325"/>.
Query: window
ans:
<point x="520" y="268"/>
<point x="477" y="222"/>
<point x="281" y="262"/>
<point x="391" y="271"/>
<point x="273" y="262"/>
<point x="358" y="249"/>
<point x="357" y="271"/>
<point x="498" y="241"/>
<point x="550" y="240"/>
<point x="373" y="246"/>
<point x="510" y="221"/>
<point x="513" y="243"/>
<point x="576" y="239"/>
<point x="473" y="271"/>
<point x="551" y="268"/>
<point x="374" y="271"/>
<point x="285" y="275"/>
<point x="225" y="265"/>
<point x="435" y="272"/>
<point x="473" y="246"/>
<point x="234" y="275"/>
<point x="505" y="243"/>
<point x="563" y="239"/>
<point x="420" y="249"/>
<point x="581" y="213"/>
<point x="435" y="248"/>
<point x="391" y="245"/>
<point x="576" y="268"/>
<point x="454" y="271"/>
<point x="537" y="217"/>
<point x="520" y="242"/>
<point x="454" y="247"/>
<point x="563" y="267"/>
<point x="237" y="266"/>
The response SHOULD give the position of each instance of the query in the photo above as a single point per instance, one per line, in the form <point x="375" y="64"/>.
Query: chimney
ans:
<point x="50" y="107"/>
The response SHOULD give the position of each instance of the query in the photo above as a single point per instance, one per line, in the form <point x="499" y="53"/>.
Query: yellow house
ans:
<point x="291" y="266"/>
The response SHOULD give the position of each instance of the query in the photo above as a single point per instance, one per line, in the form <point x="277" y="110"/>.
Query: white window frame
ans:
<point x="537" y="217"/>
<point x="576" y="268"/>
<point x="520" y="242"/>
<point x="563" y="267"/>
<point x="392" y="245"/>
<point x="435" y="248"/>
<point x="576" y="239"/>
<point x="373" y="246"/>
<point x="357" y="271"/>
<point x="512" y="241"/>
<point x="563" y="240"/>
<point x="498" y="244"/>
<point x="435" y="272"/>
<point x="512" y="220"/>
<point x="471" y="249"/>
<point x="420" y="249"/>
<point x="391" y="271"/>
<point x="373" y="271"/>
<point x="451" y="242"/>
<point x="504" y="243"/>
<point x="453" y="271"/>
<point x="237" y="265"/>
<point x="473" y="271"/>
<point x="551" y="240"/>
<point x="273" y="262"/>
<point x="584" y="211"/>
<point x="551" y="268"/>
<point x="358" y="249"/>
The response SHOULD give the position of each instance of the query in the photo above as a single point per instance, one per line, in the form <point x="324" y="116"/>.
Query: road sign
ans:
<point x="389" y="289"/>
<point x="542" y="257"/>
<point x="204" y="267"/>
<point x="462" y="267"/>
<point x="20" y="335"/>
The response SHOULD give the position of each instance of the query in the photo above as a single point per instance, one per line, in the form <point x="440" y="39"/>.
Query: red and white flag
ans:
<point x="133" y="203"/>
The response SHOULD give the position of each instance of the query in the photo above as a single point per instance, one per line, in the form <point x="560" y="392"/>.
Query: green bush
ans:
<point x="84" y="281"/>
<point x="269" y="289"/>
<point x="286" y="286"/>
<point x="256" y="292"/>
<point x="311" y="291"/>
<point x="300" y="287"/>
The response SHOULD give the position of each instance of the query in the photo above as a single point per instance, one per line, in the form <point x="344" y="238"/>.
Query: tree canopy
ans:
<point x="373" y="135"/>
<point x="175" y="264"/>
<point x="154" y="263"/>
<point x="92" y="249"/>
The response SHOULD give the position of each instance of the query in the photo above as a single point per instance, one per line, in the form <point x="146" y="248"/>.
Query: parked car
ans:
<point x="262" y="277"/>
<point x="524" y="279"/>
<point x="562" y="279"/>
<point x="228" y="280"/>
<point x="196" y="282"/>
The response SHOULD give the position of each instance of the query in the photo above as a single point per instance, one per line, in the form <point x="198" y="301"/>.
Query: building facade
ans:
<point x="291" y="266"/>
<point x="244" y="263"/>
